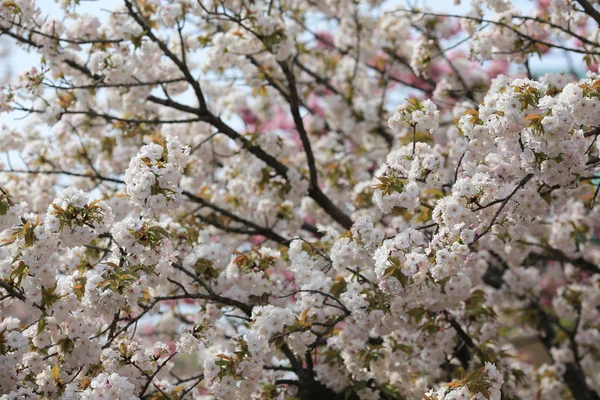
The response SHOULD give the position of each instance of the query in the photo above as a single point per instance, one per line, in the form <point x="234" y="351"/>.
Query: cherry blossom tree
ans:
<point x="309" y="199"/>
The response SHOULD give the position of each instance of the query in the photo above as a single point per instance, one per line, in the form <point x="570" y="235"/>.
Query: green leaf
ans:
<point x="3" y="207"/>
<point x="160" y="230"/>
<point x="338" y="288"/>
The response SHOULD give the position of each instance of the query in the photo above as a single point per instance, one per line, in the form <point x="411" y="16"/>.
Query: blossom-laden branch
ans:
<point x="224" y="198"/>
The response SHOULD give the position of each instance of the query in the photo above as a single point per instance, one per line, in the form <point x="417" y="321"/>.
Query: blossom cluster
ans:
<point x="300" y="199"/>
<point x="153" y="175"/>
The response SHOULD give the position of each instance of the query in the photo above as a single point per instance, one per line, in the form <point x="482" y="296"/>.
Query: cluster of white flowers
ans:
<point x="423" y="115"/>
<point x="153" y="176"/>
<point x="269" y="320"/>
<point x="421" y="56"/>
<point x="248" y="215"/>
<point x="485" y="383"/>
<point x="113" y="386"/>
<point x="10" y="212"/>
<point x="144" y="243"/>
<point x="14" y="346"/>
<point x="75" y="220"/>
<point x="364" y="232"/>
<point x="403" y="251"/>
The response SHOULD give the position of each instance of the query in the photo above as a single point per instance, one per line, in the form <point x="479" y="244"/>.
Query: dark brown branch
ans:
<point x="12" y="291"/>
<point x="256" y="229"/>
<point x="551" y="254"/>
<point x="574" y="377"/>
<point x="507" y="26"/>
<point x="590" y="10"/>
<point x="592" y="132"/>
<point x="294" y="101"/>
<point x="504" y="203"/>
<point x="141" y="21"/>
<point x="61" y="172"/>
